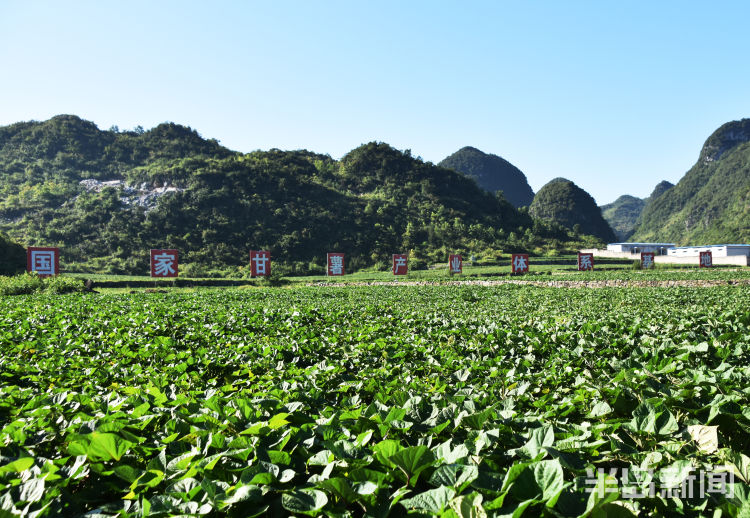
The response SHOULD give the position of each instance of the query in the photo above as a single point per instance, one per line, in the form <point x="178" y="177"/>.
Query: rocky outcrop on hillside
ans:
<point x="725" y="138"/>
<point x="144" y="195"/>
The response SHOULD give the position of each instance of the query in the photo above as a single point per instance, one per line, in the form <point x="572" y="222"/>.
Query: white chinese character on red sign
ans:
<point x="260" y="263"/>
<point x="163" y="263"/>
<point x="585" y="262"/>
<point x="647" y="260"/>
<point x="400" y="264"/>
<point x="43" y="261"/>
<point x="519" y="263"/>
<point x="455" y="263"/>
<point x="706" y="260"/>
<point x="335" y="264"/>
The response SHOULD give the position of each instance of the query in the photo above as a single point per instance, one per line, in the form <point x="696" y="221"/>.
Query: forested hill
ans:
<point x="711" y="203"/>
<point x="492" y="173"/>
<point x="563" y="202"/>
<point x="106" y="197"/>
<point x="624" y="214"/>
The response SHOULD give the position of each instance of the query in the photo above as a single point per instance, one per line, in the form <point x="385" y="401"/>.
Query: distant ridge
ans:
<point x="492" y="173"/>
<point x="624" y="214"/>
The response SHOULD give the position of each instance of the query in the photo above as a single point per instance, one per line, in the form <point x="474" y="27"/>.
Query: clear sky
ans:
<point x="615" y="96"/>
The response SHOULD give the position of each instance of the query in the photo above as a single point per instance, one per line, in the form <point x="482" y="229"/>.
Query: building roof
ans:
<point x="642" y="244"/>
<point x="709" y="246"/>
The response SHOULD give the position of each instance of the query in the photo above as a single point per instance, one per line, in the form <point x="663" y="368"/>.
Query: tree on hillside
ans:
<point x="12" y="256"/>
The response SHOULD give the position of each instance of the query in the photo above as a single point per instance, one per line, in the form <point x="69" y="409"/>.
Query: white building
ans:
<point x="637" y="248"/>
<point x="716" y="250"/>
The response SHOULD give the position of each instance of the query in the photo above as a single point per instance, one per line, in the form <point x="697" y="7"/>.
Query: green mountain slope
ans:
<point x="622" y="215"/>
<point x="563" y="202"/>
<point x="711" y="203"/>
<point x="660" y="189"/>
<point x="107" y="197"/>
<point x="492" y="173"/>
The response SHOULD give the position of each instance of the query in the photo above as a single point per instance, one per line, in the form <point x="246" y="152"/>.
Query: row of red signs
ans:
<point x="164" y="262"/>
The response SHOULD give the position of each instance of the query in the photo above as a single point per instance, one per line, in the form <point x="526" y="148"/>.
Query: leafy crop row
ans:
<point x="434" y="401"/>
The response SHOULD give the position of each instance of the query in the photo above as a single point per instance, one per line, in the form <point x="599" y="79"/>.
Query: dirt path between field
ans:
<point x="553" y="284"/>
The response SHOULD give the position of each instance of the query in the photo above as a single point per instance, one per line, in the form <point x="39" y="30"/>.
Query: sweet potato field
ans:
<point x="456" y="401"/>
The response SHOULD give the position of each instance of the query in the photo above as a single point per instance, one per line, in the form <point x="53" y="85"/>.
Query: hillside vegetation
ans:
<point x="106" y="197"/>
<point x="563" y="202"/>
<point x="624" y="214"/>
<point x="12" y="256"/>
<point x="492" y="173"/>
<point x="711" y="203"/>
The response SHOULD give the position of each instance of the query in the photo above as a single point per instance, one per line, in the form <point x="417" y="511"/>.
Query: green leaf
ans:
<point x="454" y="475"/>
<point x="647" y="419"/>
<point x="538" y="439"/>
<point x="605" y="491"/>
<point x="548" y="475"/>
<point x="18" y="465"/>
<point x="450" y="456"/>
<point x="279" y="457"/>
<point x="706" y="437"/>
<point x="412" y="461"/>
<point x="127" y="473"/>
<point x="468" y="506"/>
<point x="601" y="408"/>
<point x="385" y="449"/>
<point x="644" y="418"/>
<point x="140" y="410"/>
<point x="364" y="438"/>
<point x="102" y="446"/>
<point x="542" y="480"/>
<point x="476" y="421"/>
<point x="304" y="500"/>
<point x="739" y="463"/>
<point x="433" y="501"/>
<point x="340" y="488"/>
<point x="321" y="458"/>
<point x="241" y="493"/>
<point x="150" y="478"/>
<point x="278" y="421"/>
<point x="366" y="488"/>
<point x="512" y="474"/>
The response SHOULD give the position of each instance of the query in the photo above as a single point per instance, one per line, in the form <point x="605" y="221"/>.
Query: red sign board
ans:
<point x="455" y="264"/>
<point x="647" y="260"/>
<point x="42" y="260"/>
<point x="260" y="263"/>
<point x="519" y="263"/>
<point x="164" y="262"/>
<point x="336" y="264"/>
<point x="585" y="261"/>
<point x="707" y="260"/>
<point x="400" y="264"/>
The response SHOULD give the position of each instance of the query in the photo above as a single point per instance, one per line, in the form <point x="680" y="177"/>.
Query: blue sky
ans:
<point x="615" y="96"/>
